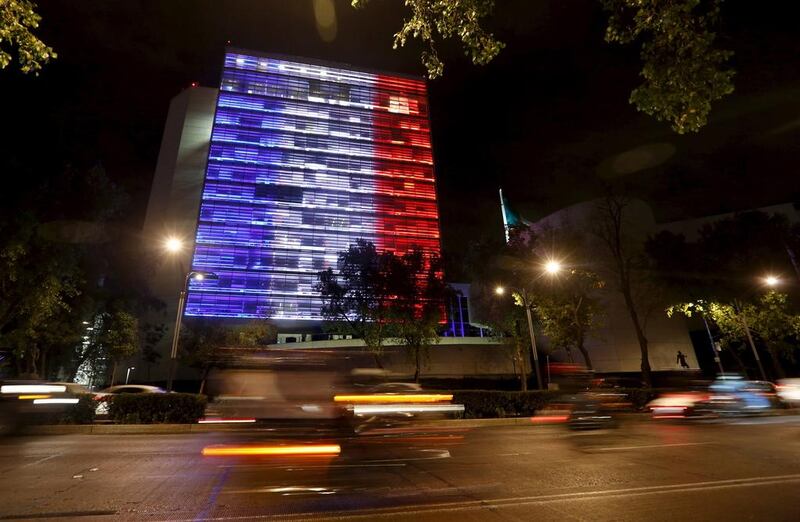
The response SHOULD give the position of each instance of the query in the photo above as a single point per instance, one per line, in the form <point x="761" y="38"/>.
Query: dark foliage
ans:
<point x="157" y="408"/>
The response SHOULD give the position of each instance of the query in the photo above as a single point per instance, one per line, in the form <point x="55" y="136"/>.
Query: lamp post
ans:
<point x="128" y="373"/>
<point x="174" y="245"/>
<point x="197" y="275"/>
<point x="551" y="267"/>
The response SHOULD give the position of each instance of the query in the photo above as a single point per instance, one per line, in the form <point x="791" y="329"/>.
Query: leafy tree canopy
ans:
<point x="18" y="19"/>
<point x="684" y="71"/>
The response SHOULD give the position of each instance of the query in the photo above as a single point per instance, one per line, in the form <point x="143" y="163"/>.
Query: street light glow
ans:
<point x="772" y="281"/>
<point x="499" y="290"/>
<point x="173" y="244"/>
<point x="552" y="267"/>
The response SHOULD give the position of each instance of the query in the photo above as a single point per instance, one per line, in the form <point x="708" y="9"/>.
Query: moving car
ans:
<point x="678" y="405"/>
<point x="101" y="396"/>
<point x="25" y="402"/>
<point x="737" y="396"/>
<point x="788" y="391"/>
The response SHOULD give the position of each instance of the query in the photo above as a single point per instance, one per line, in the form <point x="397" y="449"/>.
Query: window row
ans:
<point x="363" y="131"/>
<point x="319" y="144"/>
<point x="247" y="104"/>
<point x="274" y="206"/>
<point x="395" y="188"/>
<point x="235" y="60"/>
<point x="291" y="87"/>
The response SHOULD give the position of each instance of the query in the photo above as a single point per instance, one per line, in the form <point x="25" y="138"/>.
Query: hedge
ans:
<point x="82" y="413"/>
<point x="156" y="408"/>
<point x="482" y="404"/>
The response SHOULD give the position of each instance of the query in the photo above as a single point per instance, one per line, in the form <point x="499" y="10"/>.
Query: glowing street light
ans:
<point x="552" y="267"/>
<point x="499" y="290"/>
<point x="772" y="280"/>
<point x="173" y="244"/>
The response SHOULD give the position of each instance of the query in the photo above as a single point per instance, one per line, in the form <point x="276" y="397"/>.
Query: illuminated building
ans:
<point x="304" y="159"/>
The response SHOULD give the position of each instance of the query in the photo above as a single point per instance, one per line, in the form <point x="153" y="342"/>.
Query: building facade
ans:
<point x="305" y="159"/>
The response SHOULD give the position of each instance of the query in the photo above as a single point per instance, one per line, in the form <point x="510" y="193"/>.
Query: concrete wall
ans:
<point x="452" y="357"/>
<point x="174" y="204"/>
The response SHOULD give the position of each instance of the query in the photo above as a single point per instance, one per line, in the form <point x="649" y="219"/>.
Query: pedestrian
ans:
<point x="682" y="360"/>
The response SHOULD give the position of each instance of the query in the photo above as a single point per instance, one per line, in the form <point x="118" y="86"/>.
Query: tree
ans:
<point x="356" y="298"/>
<point x="627" y="268"/>
<point x="683" y="70"/>
<point x="434" y="20"/>
<point x="728" y="259"/>
<point x="417" y="308"/>
<point x="18" y="18"/>
<point x="152" y="335"/>
<point x="768" y="318"/>
<point x="38" y="278"/>
<point x="203" y="341"/>
<point x="569" y="310"/>
<point x="120" y="338"/>
<point x="506" y="320"/>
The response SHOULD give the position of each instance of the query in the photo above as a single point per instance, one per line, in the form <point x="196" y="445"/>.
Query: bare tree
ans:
<point x="627" y="268"/>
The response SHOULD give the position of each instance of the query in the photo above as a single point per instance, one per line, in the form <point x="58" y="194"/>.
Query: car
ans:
<point x="75" y="388"/>
<point x="102" y="396"/>
<point x="788" y="391"/>
<point x="737" y="396"/>
<point x="25" y="402"/>
<point x="131" y="388"/>
<point x="678" y="405"/>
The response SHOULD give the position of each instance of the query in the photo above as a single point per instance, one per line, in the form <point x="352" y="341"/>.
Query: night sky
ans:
<point x="548" y="120"/>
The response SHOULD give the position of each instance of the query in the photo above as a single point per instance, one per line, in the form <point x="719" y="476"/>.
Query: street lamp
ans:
<point x="526" y="303"/>
<point x="197" y="275"/>
<point x="772" y="281"/>
<point x="173" y="244"/>
<point x="552" y="267"/>
<point x="128" y="373"/>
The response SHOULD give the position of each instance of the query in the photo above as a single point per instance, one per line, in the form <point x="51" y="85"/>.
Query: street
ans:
<point x="746" y="469"/>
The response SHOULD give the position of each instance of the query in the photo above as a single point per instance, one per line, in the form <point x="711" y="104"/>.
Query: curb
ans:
<point x="163" y="429"/>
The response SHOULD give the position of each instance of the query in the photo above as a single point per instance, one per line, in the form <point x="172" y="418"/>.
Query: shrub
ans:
<point x="82" y="413"/>
<point x="157" y="408"/>
<point x="480" y="404"/>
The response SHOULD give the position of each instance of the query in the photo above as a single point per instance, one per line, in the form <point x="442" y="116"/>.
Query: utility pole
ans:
<point x="752" y="345"/>
<point x="713" y="346"/>
<point x="535" y="360"/>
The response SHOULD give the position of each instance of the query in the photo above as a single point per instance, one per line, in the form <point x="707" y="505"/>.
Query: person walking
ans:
<point x="682" y="360"/>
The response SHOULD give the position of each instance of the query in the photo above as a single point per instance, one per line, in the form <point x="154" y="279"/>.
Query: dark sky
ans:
<point x="547" y="120"/>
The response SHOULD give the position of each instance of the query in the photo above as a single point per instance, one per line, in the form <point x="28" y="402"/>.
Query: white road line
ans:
<point x="471" y="505"/>
<point x="623" y="448"/>
<point x="40" y="460"/>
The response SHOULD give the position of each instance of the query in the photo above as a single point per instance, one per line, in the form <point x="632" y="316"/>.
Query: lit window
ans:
<point x="398" y="104"/>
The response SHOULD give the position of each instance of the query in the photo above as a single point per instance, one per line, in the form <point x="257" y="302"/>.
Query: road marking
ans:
<point x="472" y="505"/>
<point x="40" y="460"/>
<point x="623" y="448"/>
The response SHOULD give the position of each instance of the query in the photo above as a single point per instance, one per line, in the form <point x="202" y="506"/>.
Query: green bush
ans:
<point x="481" y="404"/>
<point x="156" y="408"/>
<point x="82" y="413"/>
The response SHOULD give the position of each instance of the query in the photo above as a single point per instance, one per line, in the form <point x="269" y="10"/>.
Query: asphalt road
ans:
<point x="643" y="470"/>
